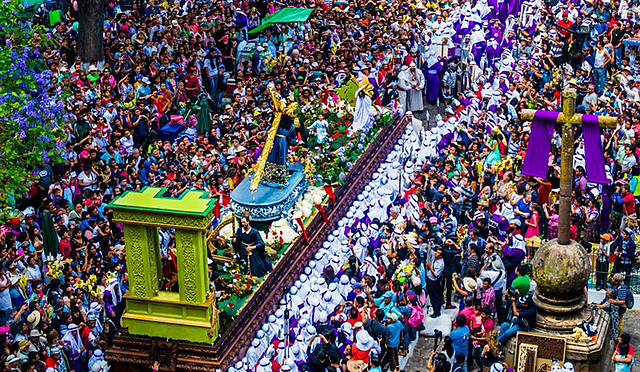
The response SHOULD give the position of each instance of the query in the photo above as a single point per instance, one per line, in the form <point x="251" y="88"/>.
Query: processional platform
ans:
<point x="134" y="352"/>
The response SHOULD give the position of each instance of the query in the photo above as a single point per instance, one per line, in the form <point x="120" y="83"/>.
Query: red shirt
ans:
<point x="629" y="204"/>
<point x="487" y="324"/>
<point x="356" y="320"/>
<point x="357" y="354"/>
<point x="468" y="313"/>
<point x="52" y="363"/>
<point x="543" y="192"/>
<point x="192" y="84"/>
<point x="565" y="24"/>
<point x="65" y="248"/>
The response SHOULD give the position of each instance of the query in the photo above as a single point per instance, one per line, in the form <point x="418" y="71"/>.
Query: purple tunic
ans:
<point x="478" y="51"/>
<point x="493" y="55"/>
<point x="433" y="81"/>
<point x="495" y="33"/>
<point x="513" y="256"/>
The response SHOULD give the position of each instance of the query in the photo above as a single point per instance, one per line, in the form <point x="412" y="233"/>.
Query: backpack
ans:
<point x="417" y="316"/>
<point x="629" y="301"/>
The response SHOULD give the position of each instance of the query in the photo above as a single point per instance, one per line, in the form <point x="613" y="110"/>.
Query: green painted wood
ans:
<point x="193" y="272"/>
<point x="188" y="315"/>
<point x="191" y="202"/>
<point x="143" y="260"/>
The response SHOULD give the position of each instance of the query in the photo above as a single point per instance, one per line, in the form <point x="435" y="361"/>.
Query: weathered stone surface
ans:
<point x="561" y="271"/>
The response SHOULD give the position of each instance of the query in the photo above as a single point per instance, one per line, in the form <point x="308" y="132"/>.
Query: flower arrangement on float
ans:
<point x="405" y="272"/>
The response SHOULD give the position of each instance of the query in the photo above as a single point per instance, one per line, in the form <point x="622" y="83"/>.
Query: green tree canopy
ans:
<point x="31" y="115"/>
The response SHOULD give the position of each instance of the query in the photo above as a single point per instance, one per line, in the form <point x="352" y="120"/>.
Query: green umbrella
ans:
<point x="49" y="235"/>
<point x="204" y="117"/>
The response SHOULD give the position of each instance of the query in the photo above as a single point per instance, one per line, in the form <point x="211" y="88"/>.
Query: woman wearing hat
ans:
<point x="467" y="289"/>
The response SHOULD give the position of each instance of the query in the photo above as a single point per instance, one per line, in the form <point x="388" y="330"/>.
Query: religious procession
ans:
<point x="311" y="186"/>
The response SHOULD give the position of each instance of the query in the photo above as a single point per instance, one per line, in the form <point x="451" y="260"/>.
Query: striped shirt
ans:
<point x="450" y="226"/>
<point x="468" y="199"/>
<point x="621" y="295"/>
<point x="514" y="146"/>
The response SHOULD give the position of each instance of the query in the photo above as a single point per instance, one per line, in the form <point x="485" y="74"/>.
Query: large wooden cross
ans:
<point x="568" y="119"/>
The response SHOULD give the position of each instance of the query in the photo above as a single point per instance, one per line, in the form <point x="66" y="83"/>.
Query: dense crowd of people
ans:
<point x="457" y="232"/>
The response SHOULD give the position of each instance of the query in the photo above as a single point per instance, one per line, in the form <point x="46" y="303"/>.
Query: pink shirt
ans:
<point x="468" y="314"/>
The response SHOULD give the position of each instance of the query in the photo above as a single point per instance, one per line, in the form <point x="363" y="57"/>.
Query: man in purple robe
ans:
<point x="494" y="51"/>
<point x="495" y="30"/>
<point x="432" y="69"/>
<point x="478" y="43"/>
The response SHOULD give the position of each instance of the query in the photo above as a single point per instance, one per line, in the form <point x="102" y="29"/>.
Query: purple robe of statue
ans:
<point x="433" y="81"/>
<point x="376" y="88"/>
<point x="503" y="10"/>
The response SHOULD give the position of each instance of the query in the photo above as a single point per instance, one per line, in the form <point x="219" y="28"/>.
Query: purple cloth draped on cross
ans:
<point x="536" y="159"/>
<point x="594" y="160"/>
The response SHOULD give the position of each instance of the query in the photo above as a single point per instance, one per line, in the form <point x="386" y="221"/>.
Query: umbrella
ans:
<point x="49" y="235"/>
<point x="204" y="117"/>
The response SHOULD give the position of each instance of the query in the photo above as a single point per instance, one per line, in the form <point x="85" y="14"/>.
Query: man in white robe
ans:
<point x="412" y="82"/>
<point x="305" y="286"/>
<point x="417" y="125"/>
<point x="264" y="365"/>
<point x="344" y="287"/>
<point x="254" y="354"/>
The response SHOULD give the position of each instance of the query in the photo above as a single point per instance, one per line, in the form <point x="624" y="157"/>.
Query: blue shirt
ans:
<point x="523" y="207"/>
<point x="621" y="295"/>
<point x="395" y="330"/>
<point x="143" y="91"/>
<point x="460" y="338"/>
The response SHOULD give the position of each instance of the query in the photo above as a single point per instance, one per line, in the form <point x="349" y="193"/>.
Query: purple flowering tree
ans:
<point x="31" y="116"/>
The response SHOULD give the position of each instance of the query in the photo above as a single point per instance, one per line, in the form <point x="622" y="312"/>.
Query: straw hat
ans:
<point x="34" y="318"/>
<point x="356" y="366"/>
<point x="469" y="284"/>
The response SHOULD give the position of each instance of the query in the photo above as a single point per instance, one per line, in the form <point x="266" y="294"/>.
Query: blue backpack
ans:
<point x="629" y="301"/>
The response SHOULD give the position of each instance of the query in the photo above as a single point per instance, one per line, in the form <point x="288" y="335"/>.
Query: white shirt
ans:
<point x="438" y="268"/>
<point x="83" y="177"/>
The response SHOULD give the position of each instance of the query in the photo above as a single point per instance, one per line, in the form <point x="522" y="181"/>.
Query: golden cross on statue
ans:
<point x="279" y="109"/>
<point x="568" y="119"/>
